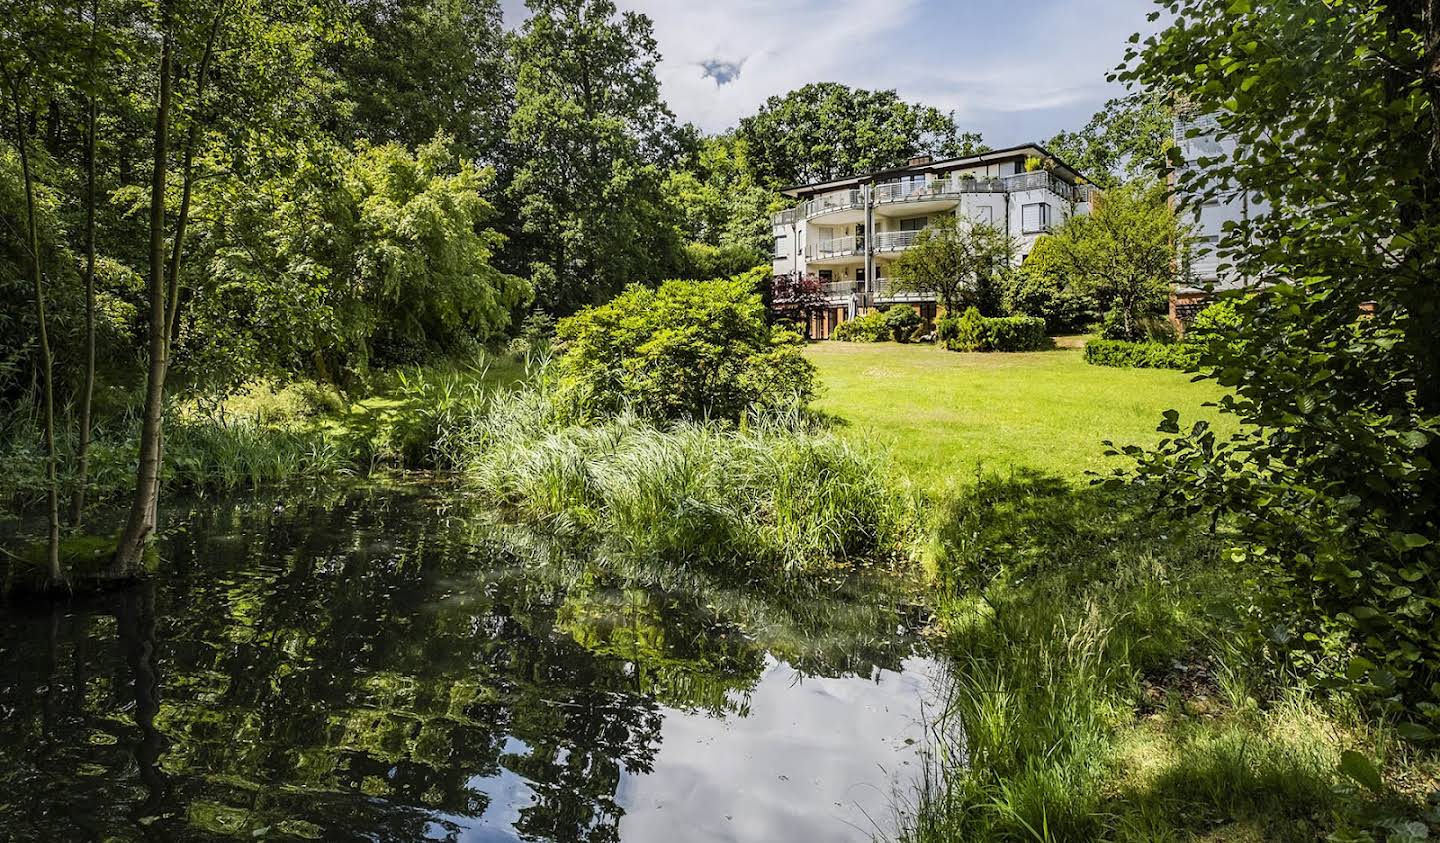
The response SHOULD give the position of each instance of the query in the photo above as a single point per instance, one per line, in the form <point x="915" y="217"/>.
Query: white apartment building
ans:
<point x="1196" y="139"/>
<point x="850" y="231"/>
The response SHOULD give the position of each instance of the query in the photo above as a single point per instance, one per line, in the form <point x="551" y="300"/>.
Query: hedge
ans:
<point x="872" y="327"/>
<point x="1141" y="355"/>
<point x="973" y="332"/>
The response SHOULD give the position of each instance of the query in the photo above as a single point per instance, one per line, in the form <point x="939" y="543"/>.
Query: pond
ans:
<point x="384" y="662"/>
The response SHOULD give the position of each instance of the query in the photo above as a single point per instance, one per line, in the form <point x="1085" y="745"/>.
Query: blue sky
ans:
<point x="1015" y="72"/>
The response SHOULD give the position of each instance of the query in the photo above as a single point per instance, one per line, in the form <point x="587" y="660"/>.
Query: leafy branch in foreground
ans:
<point x="1333" y="109"/>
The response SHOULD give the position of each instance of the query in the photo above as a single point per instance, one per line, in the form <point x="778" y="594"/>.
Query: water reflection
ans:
<point x="378" y="663"/>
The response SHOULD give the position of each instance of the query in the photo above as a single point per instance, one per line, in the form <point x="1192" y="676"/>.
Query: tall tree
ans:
<point x="1127" y="139"/>
<point x="1127" y="253"/>
<point x="87" y="390"/>
<point x="428" y="67"/>
<point x="826" y="130"/>
<point x="595" y="137"/>
<point x="262" y="59"/>
<point x="1328" y="112"/>
<point x="958" y="264"/>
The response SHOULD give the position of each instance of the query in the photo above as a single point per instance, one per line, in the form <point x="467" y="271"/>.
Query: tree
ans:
<point x="794" y="295"/>
<point x="1127" y="140"/>
<point x="263" y="56"/>
<point x="1128" y="252"/>
<point x="595" y="137"/>
<point x="826" y="130"/>
<point x="717" y="201"/>
<point x="1333" y="366"/>
<point x="429" y="67"/>
<point x="686" y="350"/>
<point x="1041" y="287"/>
<point x="958" y="263"/>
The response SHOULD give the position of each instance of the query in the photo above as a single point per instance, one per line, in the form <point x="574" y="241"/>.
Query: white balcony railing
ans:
<point x="838" y="201"/>
<point x="842" y="288"/>
<point x="914" y="191"/>
<point x="834" y="248"/>
<point x="894" y="241"/>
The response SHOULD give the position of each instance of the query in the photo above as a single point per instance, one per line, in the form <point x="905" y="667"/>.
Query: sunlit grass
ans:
<point x="948" y="414"/>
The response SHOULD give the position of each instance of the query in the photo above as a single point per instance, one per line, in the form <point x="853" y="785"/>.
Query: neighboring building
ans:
<point x="1209" y="219"/>
<point x="849" y="231"/>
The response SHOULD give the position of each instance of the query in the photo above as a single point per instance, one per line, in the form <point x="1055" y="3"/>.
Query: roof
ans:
<point x="945" y="164"/>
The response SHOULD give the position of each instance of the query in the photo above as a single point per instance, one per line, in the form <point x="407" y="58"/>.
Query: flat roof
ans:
<point x="945" y="164"/>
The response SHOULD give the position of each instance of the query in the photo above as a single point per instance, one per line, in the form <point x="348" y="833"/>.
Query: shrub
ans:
<point x="973" y="332"/>
<point x="1123" y="354"/>
<point x="1040" y="288"/>
<point x="774" y="496"/>
<point x="903" y="321"/>
<point x="872" y="327"/>
<point x="689" y="349"/>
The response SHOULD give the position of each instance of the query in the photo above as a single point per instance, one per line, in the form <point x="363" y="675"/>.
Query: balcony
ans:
<point x="829" y="203"/>
<point x="786" y="217"/>
<point x="838" y="247"/>
<point x="1039" y="180"/>
<point x="842" y="288"/>
<point x="893" y="241"/>
<point x="941" y="188"/>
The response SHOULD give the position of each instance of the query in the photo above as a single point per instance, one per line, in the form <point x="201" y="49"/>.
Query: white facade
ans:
<point x="1196" y="140"/>
<point x="849" y="231"/>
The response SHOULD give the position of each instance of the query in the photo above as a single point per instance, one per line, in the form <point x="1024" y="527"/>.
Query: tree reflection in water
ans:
<point x="378" y="662"/>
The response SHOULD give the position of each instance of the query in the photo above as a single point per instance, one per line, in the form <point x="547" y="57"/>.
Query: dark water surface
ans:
<point x="376" y="663"/>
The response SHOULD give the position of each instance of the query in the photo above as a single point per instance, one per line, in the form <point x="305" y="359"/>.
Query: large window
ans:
<point x="913" y="223"/>
<point x="1035" y="218"/>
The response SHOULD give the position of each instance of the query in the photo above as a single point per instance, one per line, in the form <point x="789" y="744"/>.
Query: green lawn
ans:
<point x="944" y="413"/>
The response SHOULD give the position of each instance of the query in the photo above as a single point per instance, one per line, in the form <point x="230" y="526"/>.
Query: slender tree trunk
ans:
<point x="141" y="522"/>
<point x="87" y="394"/>
<point x="47" y="381"/>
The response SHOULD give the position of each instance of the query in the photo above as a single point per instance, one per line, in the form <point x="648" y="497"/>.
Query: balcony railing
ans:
<point x="893" y="241"/>
<point x="838" y="201"/>
<point x="787" y="216"/>
<point x="914" y="191"/>
<point x="842" y="288"/>
<point x="834" y="248"/>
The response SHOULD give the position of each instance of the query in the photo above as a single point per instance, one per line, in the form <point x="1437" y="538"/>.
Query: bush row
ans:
<point x="972" y="332"/>
<point x="1141" y="355"/>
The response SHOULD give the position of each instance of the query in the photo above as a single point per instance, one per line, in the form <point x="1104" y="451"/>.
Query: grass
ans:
<point x="773" y="497"/>
<point x="1102" y="689"/>
<point x="946" y="414"/>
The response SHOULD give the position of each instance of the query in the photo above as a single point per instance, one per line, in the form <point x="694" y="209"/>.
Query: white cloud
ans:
<point x="1015" y="73"/>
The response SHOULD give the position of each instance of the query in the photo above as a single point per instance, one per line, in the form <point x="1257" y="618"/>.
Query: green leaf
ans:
<point x="1361" y="769"/>
<point x="1413" y="731"/>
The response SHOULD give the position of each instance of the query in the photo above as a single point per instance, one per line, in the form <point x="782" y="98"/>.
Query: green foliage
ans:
<point x="594" y="136"/>
<point x="377" y="256"/>
<point x="960" y="265"/>
<point x="1124" y="141"/>
<point x="826" y="130"/>
<point x="1125" y="354"/>
<point x="773" y="497"/>
<point x="720" y="208"/>
<point x="1127" y="253"/>
<point x="1097" y="691"/>
<point x="867" y="327"/>
<point x="689" y="349"/>
<point x="1040" y="287"/>
<point x="903" y="321"/>
<point x="972" y="332"/>
<point x="1332" y="475"/>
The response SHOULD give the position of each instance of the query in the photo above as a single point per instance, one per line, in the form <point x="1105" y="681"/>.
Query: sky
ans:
<point x="1014" y="72"/>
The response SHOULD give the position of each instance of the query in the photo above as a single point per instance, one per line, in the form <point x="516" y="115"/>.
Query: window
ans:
<point x="827" y="275"/>
<point x="859" y="275"/>
<point x="1035" y="217"/>
<point x="779" y="245"/>
<point x="913" y="223"/>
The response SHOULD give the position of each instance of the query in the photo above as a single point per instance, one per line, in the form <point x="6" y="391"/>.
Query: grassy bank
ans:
<point x="1102" y="688"/>
<point x="946" y="414"/>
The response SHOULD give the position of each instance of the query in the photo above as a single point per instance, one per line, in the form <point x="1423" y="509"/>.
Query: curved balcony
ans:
<point x="838" y="247"/>
<point x="893" y="241"/>
<point x="834" y="203"/>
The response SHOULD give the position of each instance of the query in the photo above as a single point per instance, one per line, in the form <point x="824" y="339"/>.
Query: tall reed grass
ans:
<point x="775" y="494"/>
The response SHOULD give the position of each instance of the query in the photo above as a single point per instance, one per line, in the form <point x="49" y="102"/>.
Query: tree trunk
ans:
<point x="87" y="393"/>
<point x="32" y="233"/>
<point x="141" y="522"/>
